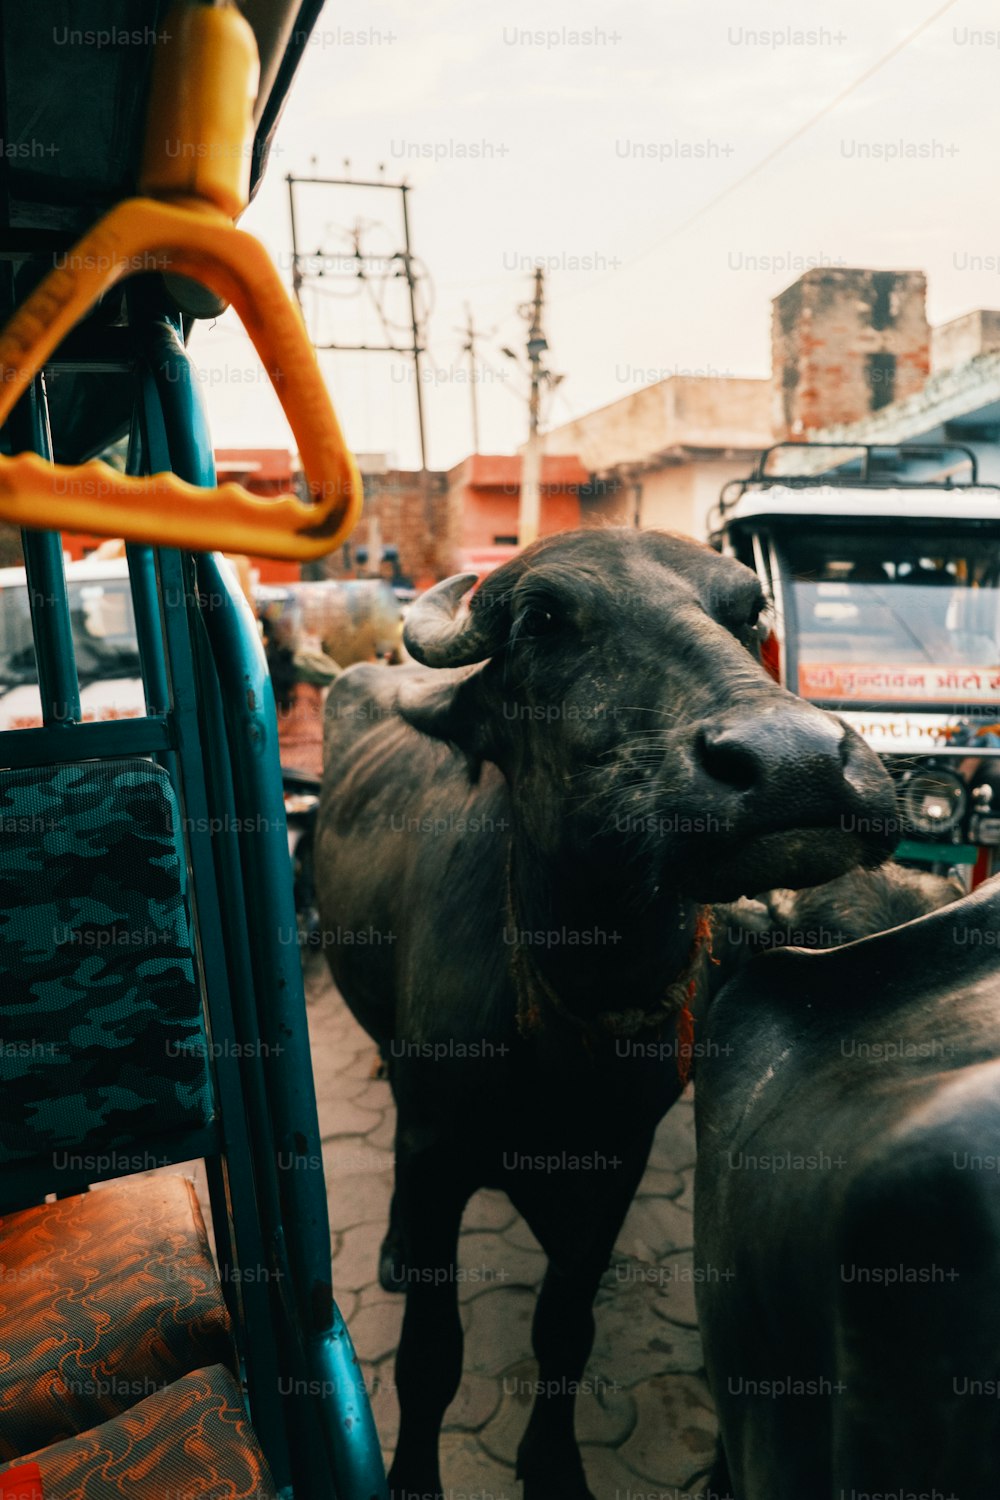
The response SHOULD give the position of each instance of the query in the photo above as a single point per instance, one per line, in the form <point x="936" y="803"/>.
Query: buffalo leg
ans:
<point x="427" y="1212"/>
<point x="391" y="1272"/>
<point x="391" y="1268"/>
<point x="548" y="1459"/>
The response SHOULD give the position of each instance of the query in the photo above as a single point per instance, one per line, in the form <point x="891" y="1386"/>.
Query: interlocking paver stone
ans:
<point x="655" y="1227"/>
<point x="375" y="1328"/>
<point x="674" y="1437"/>
<point x="633" y="1347"/>
<point x="355" y="1260"/>
<point x="498" y="1329"/>
<point x="673" y="1146"/>
<point x="605" y="1412"/>
<point x="475" y="1403"/>
<point x="487" y="1260"/>
<point x="381" y="1385"/>
<point x="676" y="1289"/>
<point x="686" y="1199"/>
<point x="489" y="1210"/>
<point x="384" y="1133"/>
<point x="348" y="1117"/>
<point x="610" y="1477"/>
<point x="468" y="1472"/>
<point x="519" y="1234"/>
<point x="662" y="1184"/>
<point x="360" y="1197"/>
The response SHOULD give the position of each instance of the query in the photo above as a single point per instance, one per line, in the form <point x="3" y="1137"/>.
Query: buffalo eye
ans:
<point x="756" y="610"/>
<point x="537" y="620"/>
<point x="757" y="630"/>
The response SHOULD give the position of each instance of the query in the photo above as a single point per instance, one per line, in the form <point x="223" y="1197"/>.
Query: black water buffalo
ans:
<point x="847" y="1214"/>
<point x="853" y="906"/>
<point x="524" y="837"/>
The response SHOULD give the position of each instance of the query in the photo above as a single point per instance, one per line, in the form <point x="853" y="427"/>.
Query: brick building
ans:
<point x="409" y="510"/>
<point x="845" y="343"/>
<point x="960" y="402"/>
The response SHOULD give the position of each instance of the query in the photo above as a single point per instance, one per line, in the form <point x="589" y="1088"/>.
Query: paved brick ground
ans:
<point x="646" y="1419"/>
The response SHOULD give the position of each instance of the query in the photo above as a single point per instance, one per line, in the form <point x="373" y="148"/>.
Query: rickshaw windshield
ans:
<point x="103" y="625"/>
<point x="894" y="617"/>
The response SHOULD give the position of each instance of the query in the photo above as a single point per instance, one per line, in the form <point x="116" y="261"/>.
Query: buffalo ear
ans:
<point x="449" y="706"/>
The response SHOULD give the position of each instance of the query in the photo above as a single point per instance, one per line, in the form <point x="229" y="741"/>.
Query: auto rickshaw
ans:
<point x="882" y="567"/>
<point x="152" y="1010"/>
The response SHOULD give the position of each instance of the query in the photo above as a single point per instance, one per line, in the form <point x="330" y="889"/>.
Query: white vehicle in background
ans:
<point x="882" y="565"/>
<point x="107" y="654"/>
<point x="108" y="668"/>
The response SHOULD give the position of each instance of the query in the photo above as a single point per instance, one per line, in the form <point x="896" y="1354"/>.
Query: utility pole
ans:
<point x="411" y="282"/>
<point x="402" y="258"/>
<point x="529" y="515"/>
<point x="469" y="348"/>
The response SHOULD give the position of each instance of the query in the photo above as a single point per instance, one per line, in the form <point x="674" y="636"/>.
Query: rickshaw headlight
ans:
<point x="934" y="801"/>
<point x="985" y="827"/>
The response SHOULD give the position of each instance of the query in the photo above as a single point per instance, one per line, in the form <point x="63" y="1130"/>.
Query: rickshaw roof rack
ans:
<point x="878" y="464"/>
<point x="826" y="467"/>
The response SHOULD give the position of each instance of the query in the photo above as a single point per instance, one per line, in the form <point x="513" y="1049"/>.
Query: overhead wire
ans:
<point x="772" y="155"/>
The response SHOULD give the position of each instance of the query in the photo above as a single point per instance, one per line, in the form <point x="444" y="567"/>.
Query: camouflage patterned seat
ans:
<point x="190" y="1441"/>
<point x="104" y="1071"/>
<point x="102" y="1029"/>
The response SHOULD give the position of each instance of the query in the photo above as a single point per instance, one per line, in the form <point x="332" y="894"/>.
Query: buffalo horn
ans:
<point x="441" y="631"/>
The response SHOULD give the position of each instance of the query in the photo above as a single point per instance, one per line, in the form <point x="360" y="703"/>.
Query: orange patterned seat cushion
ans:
<point x="190" y="1441"/>
<point x="104" y="1298"/>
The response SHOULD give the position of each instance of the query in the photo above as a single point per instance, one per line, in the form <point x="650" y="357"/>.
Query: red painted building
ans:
<point x="486" y="491"/>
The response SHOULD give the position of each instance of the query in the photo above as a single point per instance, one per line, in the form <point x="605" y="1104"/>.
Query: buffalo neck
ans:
<point x="600" y="945"/>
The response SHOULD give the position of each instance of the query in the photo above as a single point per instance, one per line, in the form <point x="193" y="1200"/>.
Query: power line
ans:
<point x="775" y="152"/>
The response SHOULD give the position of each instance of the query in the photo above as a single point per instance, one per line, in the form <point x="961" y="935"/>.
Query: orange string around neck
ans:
<point x="685" y="1019"/>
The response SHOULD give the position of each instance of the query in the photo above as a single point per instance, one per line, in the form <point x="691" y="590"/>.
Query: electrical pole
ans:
<point x="411" y="282"/>
<point x="469" y="348"/>
<point x="529" y="516"/>
<point x="403" y="258"/>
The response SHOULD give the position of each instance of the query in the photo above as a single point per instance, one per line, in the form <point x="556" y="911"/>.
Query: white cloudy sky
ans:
<point x="537" y="157"/>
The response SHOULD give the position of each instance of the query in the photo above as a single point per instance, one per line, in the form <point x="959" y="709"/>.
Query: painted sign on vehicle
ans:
<point x="899" y="684"/>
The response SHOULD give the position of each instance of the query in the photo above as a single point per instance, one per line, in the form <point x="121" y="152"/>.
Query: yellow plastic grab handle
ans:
<point x="200" y="242"/>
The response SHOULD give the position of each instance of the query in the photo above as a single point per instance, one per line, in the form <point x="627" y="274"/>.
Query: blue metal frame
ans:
<point x="58" y="684"/>
<point x="211" y="722"/>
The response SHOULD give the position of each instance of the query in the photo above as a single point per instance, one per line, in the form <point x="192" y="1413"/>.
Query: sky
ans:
<point x="658" y="160"/>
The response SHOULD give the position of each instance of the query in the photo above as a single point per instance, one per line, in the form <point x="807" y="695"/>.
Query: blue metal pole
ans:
<point x="146" y="600"/>
<point x="58" y="683"/>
